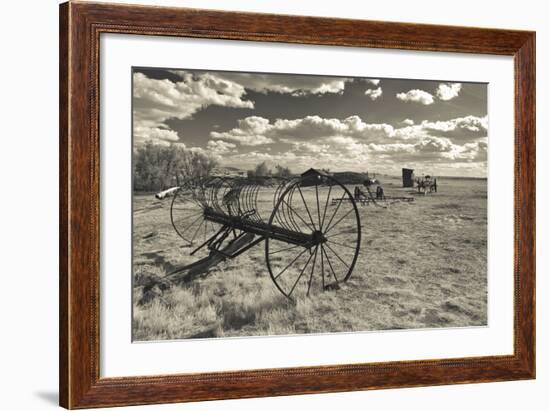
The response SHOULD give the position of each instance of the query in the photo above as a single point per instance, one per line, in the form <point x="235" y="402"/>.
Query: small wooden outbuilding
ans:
<point x="408" y="177"/>
<point x="313" y="176"/>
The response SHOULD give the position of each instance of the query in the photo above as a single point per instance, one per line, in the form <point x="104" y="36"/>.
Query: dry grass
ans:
<point x="421" y="265"/>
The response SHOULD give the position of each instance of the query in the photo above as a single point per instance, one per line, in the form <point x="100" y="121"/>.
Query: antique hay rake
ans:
<point x="311" y="242"/>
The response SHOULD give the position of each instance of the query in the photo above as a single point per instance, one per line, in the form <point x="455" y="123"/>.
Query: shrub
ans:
<point x="158" y="167"/>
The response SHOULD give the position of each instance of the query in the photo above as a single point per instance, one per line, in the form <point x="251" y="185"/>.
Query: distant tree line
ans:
<point x="262" y="170"/>
<point x="158" y="167"/>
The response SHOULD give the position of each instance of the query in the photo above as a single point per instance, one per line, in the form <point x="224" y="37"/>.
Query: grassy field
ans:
<point x="421" y="265"/>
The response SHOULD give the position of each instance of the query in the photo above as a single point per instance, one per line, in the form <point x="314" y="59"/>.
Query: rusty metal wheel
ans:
<point x="324" y="209"/>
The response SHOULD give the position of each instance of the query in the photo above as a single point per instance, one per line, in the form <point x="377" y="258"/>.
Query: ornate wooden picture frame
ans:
<point x="81" y="25"/>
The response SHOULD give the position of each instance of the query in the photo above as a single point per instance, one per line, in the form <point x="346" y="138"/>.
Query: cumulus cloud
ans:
<point x="296" y="85"/>
<point x="426" y="148"/>
<point x="430" y="149"/>
<point x="474" y="152"/>
<point x="303" y="156"/>
<point x="251" y="131"/>
<point x="348" y="146"/>
<point x="462" y="127"/>
<point x="254" y="130"/>
<point x="457" y="129"/>
<point x="347" y="153"/>
<point x="220" y="147"/>
<point x="351" y="143"/>
<point x="391" y="148"/>
<point x="417" y="96"/>
<point x="310" y="148"/>
<point x="159" y="135"/>
<point x="156" y="101"/>
<point x="432" y="144"/>
<point x="257" y="130"/>
<point x="448" y="91"/>
<point x="374" y="93"/>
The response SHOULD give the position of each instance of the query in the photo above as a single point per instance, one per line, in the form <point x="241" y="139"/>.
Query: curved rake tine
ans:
<point x="244" y="205"/>
<point x="230" y="199"/>
<point x="274" y="200"/>
<point x="285" y="218"/>
<point x="236" y="199"/>
<point x="257" y="192"/>
<point x="242" y="200"/>
<point x="233" y="194"/>
<point x="277" y="192"/>
<point x="253" y="199"/>
<point x="211" y="192"/>
<point x="215" y="194"/>
<point x="290" y="216"/>
<point x="278" y="220"/>
<point x="248" y="200"/>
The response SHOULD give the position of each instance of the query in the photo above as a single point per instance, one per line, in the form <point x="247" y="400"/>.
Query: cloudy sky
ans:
<point x="354" y="124"/>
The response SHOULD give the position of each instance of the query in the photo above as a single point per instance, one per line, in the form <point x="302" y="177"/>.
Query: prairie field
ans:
<point x="421" y="264"/>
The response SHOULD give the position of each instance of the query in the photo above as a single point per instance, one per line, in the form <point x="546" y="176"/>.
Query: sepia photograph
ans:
<point x="271" y="204"/>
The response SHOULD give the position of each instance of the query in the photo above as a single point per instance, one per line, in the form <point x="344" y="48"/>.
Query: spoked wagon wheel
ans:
<point x="187" y="211"/>
<point x="324" y="211"/>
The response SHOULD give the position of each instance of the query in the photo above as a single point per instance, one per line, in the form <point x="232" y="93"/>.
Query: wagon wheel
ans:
<point x="187" y="210"/>
<point x="325" y="210"/>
